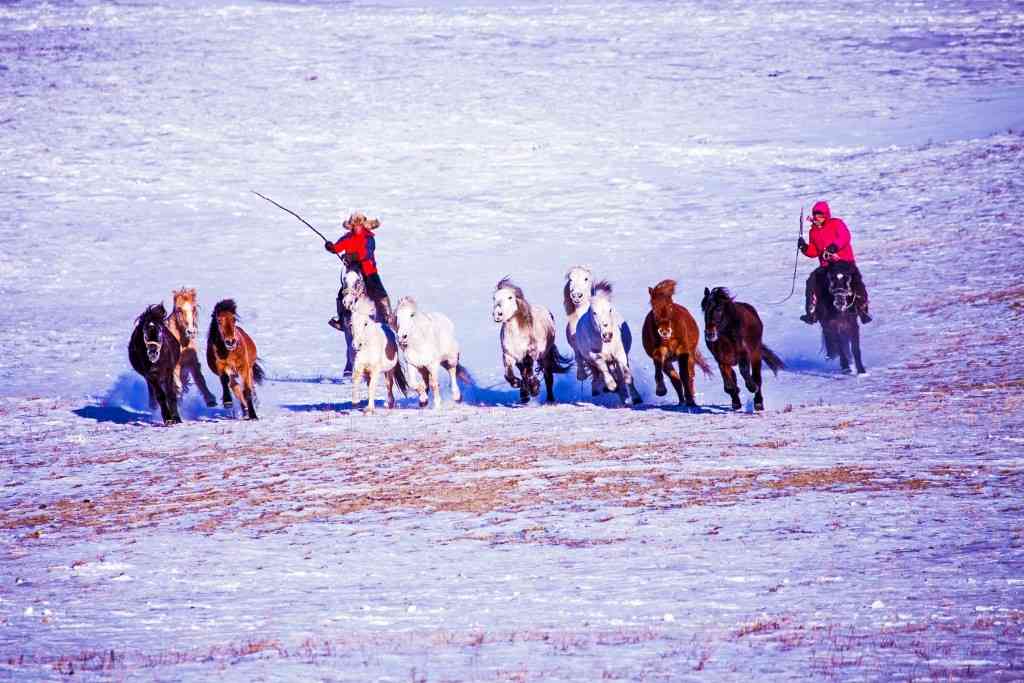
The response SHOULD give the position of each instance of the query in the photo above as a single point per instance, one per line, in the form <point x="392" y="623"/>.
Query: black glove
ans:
<point x="329" y="246"/>
<point x="831" y="250"/>
<point x="801" y="245"/>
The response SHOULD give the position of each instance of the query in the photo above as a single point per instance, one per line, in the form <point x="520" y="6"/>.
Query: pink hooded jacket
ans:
<point x="832" y="231"/>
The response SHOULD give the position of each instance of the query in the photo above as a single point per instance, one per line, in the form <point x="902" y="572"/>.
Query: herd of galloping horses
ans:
<point x="164" y="348"/>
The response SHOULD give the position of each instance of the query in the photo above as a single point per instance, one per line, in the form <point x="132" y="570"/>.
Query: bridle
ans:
<point x="153" y="348"/>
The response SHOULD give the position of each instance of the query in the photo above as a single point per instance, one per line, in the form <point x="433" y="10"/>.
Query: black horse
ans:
<point x="840" y="330"/>
<point x="732" y="332"/>
<point x="153" y="352"/>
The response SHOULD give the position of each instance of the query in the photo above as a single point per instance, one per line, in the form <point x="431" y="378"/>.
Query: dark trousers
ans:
<point x="817" y="289"/>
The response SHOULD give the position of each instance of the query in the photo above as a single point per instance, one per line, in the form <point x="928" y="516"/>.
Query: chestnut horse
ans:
<point x="670" y="333"/>
<point x="184" y="325"/>
<point x="231" y="353"/>
<point x="732" y="331"/>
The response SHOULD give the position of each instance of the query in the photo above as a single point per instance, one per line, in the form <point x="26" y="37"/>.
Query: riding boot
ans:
<point x="335" y="322"/>
<point x="812" y="305"/>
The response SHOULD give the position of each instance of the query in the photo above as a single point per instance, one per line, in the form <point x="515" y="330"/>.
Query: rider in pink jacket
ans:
<point x="829" y="241"/>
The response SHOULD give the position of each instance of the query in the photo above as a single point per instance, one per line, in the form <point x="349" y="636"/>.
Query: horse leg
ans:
<point x="435" y="385"/>
<point x="686" y="364"/>
<point x="236" y="389"/>
<point x="744" y="363"/>
<point x="855" y="343"/>
<point x="602" y="367"/>
<point x="389" y="378"/>
<point x="421" y="377"/>
<point x="453" y="372"/>
<point x="674" y="375"/>
<point x="357" y="379"/>
<point x="350" y="350"/>
<point x="549" y="378"/>
<point x="729" y="381"/>
<point x="152" y="395"/>
<point x="371" y="391"/>
<point x="510" y="373"/>
<point x="249" y="393"/>
<point x="162" y="400"/>
<point x="530" y="377"/>
<point x="627" y="380"/>
<point x="659" y="377"/>
<point x="844" y="350"/>
<point x="177" y="379"/>
<point x="755" y="365"/>
<point x="226" y="398"/>
<point x="196" y="369"/>
<point x="526" y="370"/>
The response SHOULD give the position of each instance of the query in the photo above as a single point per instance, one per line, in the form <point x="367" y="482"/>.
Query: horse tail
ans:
<point x="701" y="362"/>
<point x="773" y="362"/>
<point x="559" y="364"/>
<point x="403" y="384"/>
<point x="258" y="374"/>
<point x="463" y="375"/>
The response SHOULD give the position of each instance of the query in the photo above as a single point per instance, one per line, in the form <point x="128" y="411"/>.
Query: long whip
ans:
<point x="796" y="262"/>
<point x="284" y="208"/>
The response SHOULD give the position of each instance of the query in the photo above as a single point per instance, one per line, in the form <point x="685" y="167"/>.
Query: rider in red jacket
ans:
<point x="359" y="244"/>
<point x="830" y="241"/>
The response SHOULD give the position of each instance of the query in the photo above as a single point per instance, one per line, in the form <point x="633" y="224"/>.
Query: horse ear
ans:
<point x="650" y="290"/>
<point x="706" y="291"/>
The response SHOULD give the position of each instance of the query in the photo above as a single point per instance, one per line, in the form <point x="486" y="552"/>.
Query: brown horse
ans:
<point x="231" y="353"/>
<point x="670" y="333"/>
<point x="732" y="331"/>
<point x="184" y="325"/>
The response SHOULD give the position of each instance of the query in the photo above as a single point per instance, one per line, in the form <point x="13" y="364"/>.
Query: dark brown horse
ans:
<point x="837" y="311"/>
<point x="153" y="352"/>
<point x="670" y="333"/>
<point x="231" y="353"/>
<point x="732" y="331"/>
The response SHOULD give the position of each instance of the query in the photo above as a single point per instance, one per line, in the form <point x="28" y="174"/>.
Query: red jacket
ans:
<point x="832" y="231"/>
<point x="361" y="246"/>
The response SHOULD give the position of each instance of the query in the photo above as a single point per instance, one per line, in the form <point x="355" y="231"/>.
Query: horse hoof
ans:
<point x="524" y="399"/>
<point x="847" y="371"/>
<point x="758" y="406"/>
<point x="660" y="390"/>
<point x="423" y="404"/>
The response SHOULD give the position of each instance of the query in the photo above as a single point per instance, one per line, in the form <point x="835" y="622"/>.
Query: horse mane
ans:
<point x="405" y="301"/>
<point x="225" y="306"/>
<point x="567" y="300"/>
<point x="213" y="335"/>
<point x="601" y="286"/>
<point x="188" y="293"/>
<point x="666" y="288"/>
<point x="155" y="312"/>
<point x="522" y="306"/>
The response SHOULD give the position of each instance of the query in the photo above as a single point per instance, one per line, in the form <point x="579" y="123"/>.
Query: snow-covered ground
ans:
<point x="860" y="528"/>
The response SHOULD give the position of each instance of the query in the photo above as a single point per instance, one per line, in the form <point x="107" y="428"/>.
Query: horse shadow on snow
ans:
<point x="127" y="402"/>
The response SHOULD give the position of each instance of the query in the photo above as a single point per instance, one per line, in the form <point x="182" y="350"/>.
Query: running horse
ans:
<point x="183" y="324"/>
<point x="732" y="332"/>
<point x="231" y="353"/>
<point x="153" y="352"/>
<point x="840" y="331"/>
<point x="670" y="334"/>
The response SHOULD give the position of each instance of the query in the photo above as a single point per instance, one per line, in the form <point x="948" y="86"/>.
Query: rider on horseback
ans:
<point x="830" y="241"/>
<point x="359" y="244"/>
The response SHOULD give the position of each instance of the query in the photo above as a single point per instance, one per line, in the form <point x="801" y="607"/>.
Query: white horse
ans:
<point x="579" y="288"/>
<point x="604" y="339"/>
<point x="376" y="353"/>
<point x="527" y="337"/>
<point x="353" y="288"/>
<point x="428" y="342"/>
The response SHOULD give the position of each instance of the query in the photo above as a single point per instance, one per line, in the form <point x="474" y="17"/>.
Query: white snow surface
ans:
<point x="860" y="528"/>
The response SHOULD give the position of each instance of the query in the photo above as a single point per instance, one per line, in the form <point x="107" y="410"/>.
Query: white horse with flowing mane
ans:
<point x="428" y="342"/>
<point x="376" y="353"/>
<point x="579" y="288"/>
<point x="527" y="338"/>
<point x="603" y="339"/>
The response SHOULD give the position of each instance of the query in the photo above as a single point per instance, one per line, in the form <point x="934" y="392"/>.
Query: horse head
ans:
<point x="509" y="303"/>
<point x="152" y="323"/>
<point x="185" y="310"/>
<point x="362" y="322"/>
<point x="578" y="287"/>
<point x="604" y="316"/>
<point x="354" y="288"/>
<point x="663" y="307"/>
<point x="840" y="286"/>
<point x="223" y="325"/>
<point x="714" y="305"/>
<point x="405" y="315"/>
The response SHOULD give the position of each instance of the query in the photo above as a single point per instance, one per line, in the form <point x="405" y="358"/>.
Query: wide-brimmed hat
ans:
<point x="359" y="218"/>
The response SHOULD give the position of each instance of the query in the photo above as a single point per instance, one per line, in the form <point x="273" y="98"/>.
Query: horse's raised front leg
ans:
<point x="673" y="374"/>
<point x="236" y="389"/>
<point x="601" y="367"/>
<point x="659" y="376"/>
<point x="729" y="383"/>
<point x="855" y="343"/>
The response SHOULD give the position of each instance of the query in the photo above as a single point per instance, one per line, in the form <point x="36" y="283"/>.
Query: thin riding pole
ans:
<point x="297" y="216"/>
<point x="796" y="262"/>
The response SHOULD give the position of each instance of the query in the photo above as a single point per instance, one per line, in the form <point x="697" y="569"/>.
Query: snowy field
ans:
<point x="859" y="529"/>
